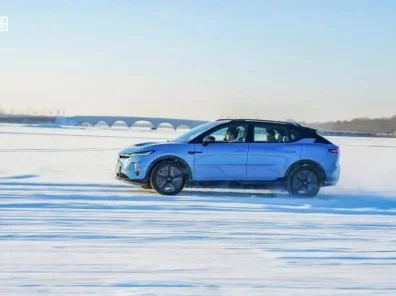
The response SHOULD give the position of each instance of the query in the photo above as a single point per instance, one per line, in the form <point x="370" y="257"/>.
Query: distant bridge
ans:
<point x="110" y="121"/>
<point x="155" y="122"/>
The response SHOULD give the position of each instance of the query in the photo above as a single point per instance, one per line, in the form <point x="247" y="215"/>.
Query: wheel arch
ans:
<point x="186" y="167"/>
<point x="307" y="162"/>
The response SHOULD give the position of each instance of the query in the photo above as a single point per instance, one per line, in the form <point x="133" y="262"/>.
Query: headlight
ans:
<point x="143" y="153"/>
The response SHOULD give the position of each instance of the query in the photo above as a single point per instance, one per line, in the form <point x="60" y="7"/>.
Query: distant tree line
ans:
<point x="45" y="112"/>
<point x="377" y="125"/>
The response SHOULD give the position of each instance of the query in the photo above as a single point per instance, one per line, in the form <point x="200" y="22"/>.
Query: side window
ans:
<point x="231" y="134"/>
<point x="294" y="135"/>
<point x="270" y="133"/>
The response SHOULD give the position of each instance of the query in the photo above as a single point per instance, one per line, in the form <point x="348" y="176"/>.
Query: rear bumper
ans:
<point x="332" y="177"/>
<point x="327" y="183"/>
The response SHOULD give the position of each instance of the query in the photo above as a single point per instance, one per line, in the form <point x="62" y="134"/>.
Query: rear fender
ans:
<point x="308" y="163"/>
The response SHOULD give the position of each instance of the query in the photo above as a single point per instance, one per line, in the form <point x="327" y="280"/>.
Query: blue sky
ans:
<point x="306" y="60"/>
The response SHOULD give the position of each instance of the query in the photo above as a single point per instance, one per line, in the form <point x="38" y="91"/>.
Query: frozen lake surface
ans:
<point x="68" y="228"/>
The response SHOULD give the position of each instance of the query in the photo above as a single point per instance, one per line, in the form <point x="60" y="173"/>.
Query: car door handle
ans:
<point x="194" y="152"/>
<point x="240" y="150"/>
<point x="290" y="151"/>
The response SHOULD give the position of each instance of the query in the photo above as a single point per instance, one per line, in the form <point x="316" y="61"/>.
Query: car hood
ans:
<point x="146" y="146"/>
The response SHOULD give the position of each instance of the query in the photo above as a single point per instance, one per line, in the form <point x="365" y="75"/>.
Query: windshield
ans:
<point x="196" y="131"/>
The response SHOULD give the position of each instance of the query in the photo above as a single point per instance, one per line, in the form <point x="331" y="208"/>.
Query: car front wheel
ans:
<point x="168" y="178"/>
<point x="303" y="181"/>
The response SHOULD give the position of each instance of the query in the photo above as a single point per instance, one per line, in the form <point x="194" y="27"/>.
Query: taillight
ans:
<point x="334" y="150"/>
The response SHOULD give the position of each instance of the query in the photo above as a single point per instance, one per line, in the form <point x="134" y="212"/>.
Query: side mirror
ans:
<point x="207" y="140"/>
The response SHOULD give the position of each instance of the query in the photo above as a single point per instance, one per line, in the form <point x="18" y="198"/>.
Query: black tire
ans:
<point x="303" y="181"/>
<point x="168" y="178"/>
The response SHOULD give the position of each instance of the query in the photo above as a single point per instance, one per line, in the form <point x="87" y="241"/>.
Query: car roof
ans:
<point x="261" y="121"/>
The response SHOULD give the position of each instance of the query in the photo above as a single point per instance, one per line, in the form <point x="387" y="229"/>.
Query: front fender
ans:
<point x="186" y="164"/>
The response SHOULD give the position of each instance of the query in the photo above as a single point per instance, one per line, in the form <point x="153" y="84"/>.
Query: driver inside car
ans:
<point x="234" y="134"/>
<point x="231" y="134"/>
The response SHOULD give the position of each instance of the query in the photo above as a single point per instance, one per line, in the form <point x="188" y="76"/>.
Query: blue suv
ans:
<point x="239" y="153"/>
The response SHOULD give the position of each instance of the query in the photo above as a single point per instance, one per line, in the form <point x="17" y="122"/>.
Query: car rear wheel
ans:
<point x="168" y="178"/>
<point x="303" y="181"/>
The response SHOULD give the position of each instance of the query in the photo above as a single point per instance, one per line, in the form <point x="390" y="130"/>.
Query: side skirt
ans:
<point x="237" y="184"/>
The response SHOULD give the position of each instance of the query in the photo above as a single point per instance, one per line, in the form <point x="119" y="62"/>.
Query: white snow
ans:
<point x="68" y="228"/>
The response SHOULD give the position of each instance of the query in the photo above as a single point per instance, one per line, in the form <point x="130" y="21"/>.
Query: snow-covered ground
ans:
<point x="68" y="228"/>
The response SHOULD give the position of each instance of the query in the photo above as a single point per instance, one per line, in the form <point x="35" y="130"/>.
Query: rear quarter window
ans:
<point x="294" y="135"/>
<point x="306" y="133"/>
<point x="322" y="140"/>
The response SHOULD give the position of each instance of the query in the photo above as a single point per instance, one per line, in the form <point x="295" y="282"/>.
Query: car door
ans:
<point x="222" y="160"/>
<point x="270" y="155"/>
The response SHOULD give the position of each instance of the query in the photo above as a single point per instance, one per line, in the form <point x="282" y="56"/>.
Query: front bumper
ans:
<point x="132" y="170"/>
<point x="124" y="178"/>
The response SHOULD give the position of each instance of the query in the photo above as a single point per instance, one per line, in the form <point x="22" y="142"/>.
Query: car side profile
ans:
<point x="240" y="153"/>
